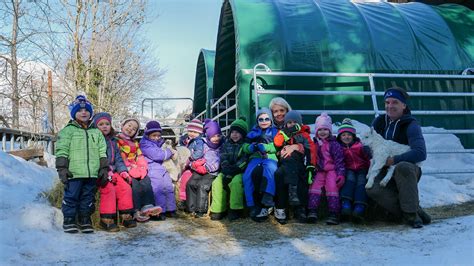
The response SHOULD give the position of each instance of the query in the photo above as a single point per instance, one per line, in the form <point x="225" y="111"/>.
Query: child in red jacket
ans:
<point x="357" y="162"/>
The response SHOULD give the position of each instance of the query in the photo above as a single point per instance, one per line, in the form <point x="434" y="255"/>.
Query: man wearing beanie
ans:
<point x="400" y="196"/>
<point x="79" y="166"/>
<point x="227" y="188"/>
<point x="290" y="177"/>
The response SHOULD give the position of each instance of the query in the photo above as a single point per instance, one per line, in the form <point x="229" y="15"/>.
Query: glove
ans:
<point x="62" y="165"/>
<point x="199" y="167"/>
<point x="291" y="131"/>
<point x="103" y="176"/>
<point x="261" y="147"/>
<point x="310" y="171"/>
<point x="340" y="181"/>
<point x="252" y="148"/>
<point x="126" y="177"/>
<point x="113" y="177"/>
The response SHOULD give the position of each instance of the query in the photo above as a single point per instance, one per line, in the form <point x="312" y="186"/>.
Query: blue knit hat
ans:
<point x="264" y="110"/>
<point x="293" y="116"/>
<point x="79" y="103"/>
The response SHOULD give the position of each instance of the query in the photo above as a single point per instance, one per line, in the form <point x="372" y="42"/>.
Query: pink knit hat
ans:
<point x="323" y="121"/>
<point x="195" y="125"/>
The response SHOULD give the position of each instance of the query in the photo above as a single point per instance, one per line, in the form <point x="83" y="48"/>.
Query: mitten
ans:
<point x="126" y="177"/>
<point x="310" y="171"/>
<point x="261" y="147"/>
<point x="113" y="177"/>
<point x="62" y="165"/>
<point x="201" y="170"/>
<point x="199" y="167"/>
<point x="291" y="131"/>
<point x="340" y="181"/>
<point x="252" y="148"/>
<point x="103" y="176"/>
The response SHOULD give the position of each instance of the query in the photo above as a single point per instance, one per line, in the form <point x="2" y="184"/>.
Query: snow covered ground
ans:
<point x="31" y="232"/>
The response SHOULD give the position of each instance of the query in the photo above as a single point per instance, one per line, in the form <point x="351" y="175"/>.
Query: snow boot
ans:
<point x="300" y="214"/>
<point x="181" y="205"/>
<point x="70" y="226"/>
<point x="262" y="216"/>
<point x="217" y="216"/>
<point x="171" y="214"/>
<point x="234" y="215"/>
<point x="346" y="210"/>
<point x="253" y="211"/>
<point x="151" y="210"/>
<point x="293" y="195"/>
<point x="126" y="220"/>
<point x="199" y="215"/>
<point x="159" y="217"/>
<point x="267" y="200"/>
<point x="85" y="224"/>
<point x="280" y="216"/>
<point x="108" y="224"/>
<point x="426" y="218"/>
<point x="312" y="216"/>
<point x="332" y="219"/>
<point x="413" y="219"/>
<point x="140" y="217"/>
<point x="358" y="213"/>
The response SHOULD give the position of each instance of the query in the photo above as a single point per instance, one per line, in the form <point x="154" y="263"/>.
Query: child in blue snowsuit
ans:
<point x="259" y="188"/>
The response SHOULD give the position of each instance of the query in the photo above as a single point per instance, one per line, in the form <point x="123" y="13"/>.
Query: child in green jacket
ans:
<point x="81" y="162"/>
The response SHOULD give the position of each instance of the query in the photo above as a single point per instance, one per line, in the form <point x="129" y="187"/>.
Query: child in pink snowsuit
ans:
<point x="118" y="190"/>
<point x="194" y="142"/>
<point x="330" y="172"/>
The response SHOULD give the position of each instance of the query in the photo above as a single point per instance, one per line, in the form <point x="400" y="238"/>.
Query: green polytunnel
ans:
<point x="345" y="36"/>
<point x="203" y="82"/>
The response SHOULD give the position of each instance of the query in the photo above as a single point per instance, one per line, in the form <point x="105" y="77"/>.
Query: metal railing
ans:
<point x="221" y="108"/>
<point x="263" y="70"/>
<point x="13" y="139"/>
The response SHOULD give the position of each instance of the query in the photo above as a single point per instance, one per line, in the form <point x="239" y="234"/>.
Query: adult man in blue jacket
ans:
<point x="400" y="196"/>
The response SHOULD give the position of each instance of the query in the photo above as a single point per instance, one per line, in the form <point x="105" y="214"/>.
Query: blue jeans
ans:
<point x="354" y="187"/>
<point x="79" y="197"/>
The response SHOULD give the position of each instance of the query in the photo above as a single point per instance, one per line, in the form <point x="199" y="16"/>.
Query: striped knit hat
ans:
<point x="196" y="126"/>
<point x="346" y="126"/>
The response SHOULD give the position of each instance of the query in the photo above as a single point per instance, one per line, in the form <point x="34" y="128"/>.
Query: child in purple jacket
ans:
<point x="161" y="182"/>
<point x="204" y="171"/>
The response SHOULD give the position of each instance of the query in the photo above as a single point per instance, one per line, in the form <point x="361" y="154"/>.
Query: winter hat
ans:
<point x="397" y="93"/>
<point x="152" y="126"/>
<point x="131" y="119"/>
<point x="293" y="116"/>
<point x="324" y="121"/>
<point x="101" y="116"/>
<point x="211" y="128"/>
<point x="264" y="110"/>
<point x="346" y="126"/>
<point x="195" y="125"/>
<point x="240" y="125"/>
<point x="80" y="102"/>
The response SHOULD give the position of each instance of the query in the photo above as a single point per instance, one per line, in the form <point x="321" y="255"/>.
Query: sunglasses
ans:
<point x="266" y="119"/>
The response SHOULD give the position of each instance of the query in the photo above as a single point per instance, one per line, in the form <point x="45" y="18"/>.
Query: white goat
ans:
<point x="381" y="150"/>
<point x="176" y="165"/>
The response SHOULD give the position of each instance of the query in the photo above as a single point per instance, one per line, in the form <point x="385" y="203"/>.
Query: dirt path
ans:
<point x="252" y="233"/>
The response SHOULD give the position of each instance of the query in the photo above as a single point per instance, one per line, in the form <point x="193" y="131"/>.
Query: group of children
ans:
<point x="265" y="169"/>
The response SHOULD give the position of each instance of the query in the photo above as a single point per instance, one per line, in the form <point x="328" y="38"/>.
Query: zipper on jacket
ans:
<point x="87" y="147"/>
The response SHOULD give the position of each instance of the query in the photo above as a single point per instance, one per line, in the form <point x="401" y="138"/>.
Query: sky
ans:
<point x="182" y="28"/>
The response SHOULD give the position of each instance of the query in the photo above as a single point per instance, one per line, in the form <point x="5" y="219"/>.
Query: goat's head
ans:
<point x="370" y="138"/>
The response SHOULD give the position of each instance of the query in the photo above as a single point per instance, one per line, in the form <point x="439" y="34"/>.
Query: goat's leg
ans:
<point x="388" y="176"/>
<point x="374" y="170"/>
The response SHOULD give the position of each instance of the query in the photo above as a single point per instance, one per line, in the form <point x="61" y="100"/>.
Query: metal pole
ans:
<point x="374" y="98"/>
<point x="255" y="84"/>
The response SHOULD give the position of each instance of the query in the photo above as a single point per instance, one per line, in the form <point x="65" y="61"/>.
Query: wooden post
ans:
<point x="50" y="103"/>
<point x="50" y="148"/>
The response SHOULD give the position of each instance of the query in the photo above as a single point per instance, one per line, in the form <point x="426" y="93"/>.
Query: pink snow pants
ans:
<point x="115" y="194"/>
<point x="183" y="181"/>
<point x="325" y="179"/>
